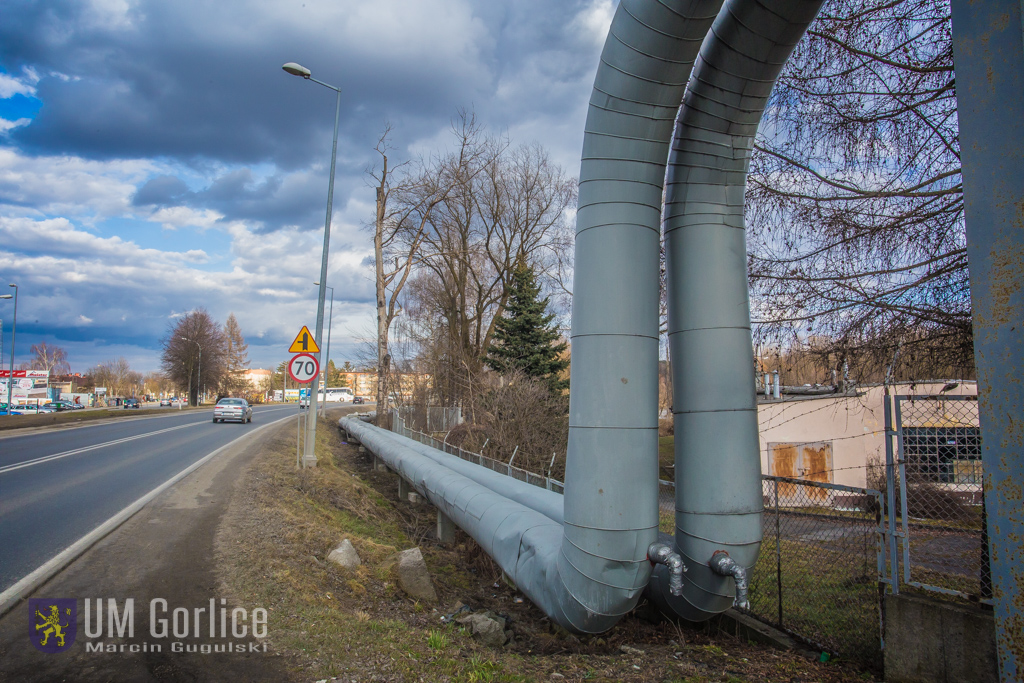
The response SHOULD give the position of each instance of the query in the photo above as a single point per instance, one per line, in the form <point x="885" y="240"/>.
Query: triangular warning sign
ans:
<point x="304" y="342"/>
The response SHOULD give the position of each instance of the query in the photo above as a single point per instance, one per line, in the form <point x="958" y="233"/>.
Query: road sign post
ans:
<point x="306" y="344"/>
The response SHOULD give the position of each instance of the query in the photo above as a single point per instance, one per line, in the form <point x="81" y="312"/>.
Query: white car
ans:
<point x="234" y="409"/>
<point x="303" y="402"/>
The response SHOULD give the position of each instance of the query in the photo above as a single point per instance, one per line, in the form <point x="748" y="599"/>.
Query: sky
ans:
<point x="155" y="158"/>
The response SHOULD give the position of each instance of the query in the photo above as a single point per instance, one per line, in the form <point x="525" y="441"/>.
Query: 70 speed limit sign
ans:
<point x="303" y="368"/>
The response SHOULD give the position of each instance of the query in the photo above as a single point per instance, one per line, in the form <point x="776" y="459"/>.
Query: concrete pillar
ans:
<point x="403" y="489"/>
<point x="378" y="465"/>
<point x="445" y="528"/>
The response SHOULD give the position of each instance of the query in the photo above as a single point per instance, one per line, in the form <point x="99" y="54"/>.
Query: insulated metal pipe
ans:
<point x="718" y="482"/>
<point x="611" y="492"/>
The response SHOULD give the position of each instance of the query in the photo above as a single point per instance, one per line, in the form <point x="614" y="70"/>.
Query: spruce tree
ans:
<point x="524" y="338"/>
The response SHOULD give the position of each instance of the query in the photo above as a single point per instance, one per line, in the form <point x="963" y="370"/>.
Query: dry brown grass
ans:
<point x="357" y="625"/>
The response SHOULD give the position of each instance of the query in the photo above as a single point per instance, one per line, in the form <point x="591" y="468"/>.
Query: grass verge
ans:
<point x="358" y="625"/>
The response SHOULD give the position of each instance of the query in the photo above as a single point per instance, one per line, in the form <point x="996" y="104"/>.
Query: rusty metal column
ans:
<point x="988" y="50"/>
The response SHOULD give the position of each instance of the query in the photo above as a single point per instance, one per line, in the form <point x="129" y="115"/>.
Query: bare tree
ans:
<point x="53" y="359"/>
<point x="194" y="354"/>
<point x="404" y="210"/>
<point x="118" y="377"/>
<point x="504" y="207"/>
<point x="855" y="203"/>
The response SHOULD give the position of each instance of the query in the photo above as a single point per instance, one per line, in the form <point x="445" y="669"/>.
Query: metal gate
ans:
<point x="935" y="495"/>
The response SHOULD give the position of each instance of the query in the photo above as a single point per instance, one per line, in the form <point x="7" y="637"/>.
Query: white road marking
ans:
<point x="58" y="456"/>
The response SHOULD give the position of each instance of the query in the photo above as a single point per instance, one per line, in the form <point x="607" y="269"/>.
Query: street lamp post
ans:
<point x="309" y="455"/>
<point x="327" y="352"/>
<point x="14" y="333"/>
<point x="199" y="379"/>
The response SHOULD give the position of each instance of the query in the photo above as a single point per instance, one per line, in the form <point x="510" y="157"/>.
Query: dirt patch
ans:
<point x="356" y="625"/>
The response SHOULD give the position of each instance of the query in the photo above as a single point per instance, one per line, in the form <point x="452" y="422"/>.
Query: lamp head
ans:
<point x="6" y="296"/>
<point x="297" y="70"/>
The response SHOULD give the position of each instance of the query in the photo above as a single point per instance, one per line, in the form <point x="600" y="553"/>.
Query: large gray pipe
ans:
<point x="590" y="571"/>
<point x="718" y="482"/>
<point x="611" y="491"/>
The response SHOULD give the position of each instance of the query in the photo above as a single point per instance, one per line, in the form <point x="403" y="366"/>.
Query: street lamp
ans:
<point x="327" y="353"/>
<point x="309" y="456"/>
<point x="14" y="332"/>
<point x="199" y="379"/>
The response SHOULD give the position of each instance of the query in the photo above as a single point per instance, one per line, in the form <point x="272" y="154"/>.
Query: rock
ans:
<point x="557" y="675"/>
<point x="345" y="555"/>
<point x="413" y="577"/>
<point x="627" y="650"/>
<point x="486" y="627"/>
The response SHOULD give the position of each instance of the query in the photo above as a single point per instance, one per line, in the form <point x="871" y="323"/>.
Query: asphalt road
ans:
<point x="57" y="485"/>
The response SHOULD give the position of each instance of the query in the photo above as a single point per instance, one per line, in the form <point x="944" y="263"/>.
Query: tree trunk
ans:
<point x="383" y="320"/>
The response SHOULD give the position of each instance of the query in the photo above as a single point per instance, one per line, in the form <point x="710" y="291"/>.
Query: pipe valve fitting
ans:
<point x="662" y="553"/>
<point x="723" y="565"/>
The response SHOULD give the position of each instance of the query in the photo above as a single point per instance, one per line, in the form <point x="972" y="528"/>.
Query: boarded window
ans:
<point x="811" y="461"/>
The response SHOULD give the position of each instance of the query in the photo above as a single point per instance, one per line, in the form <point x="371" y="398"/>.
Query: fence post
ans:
<point x="890" y="492"/>
<point x="901" y="470"/>
<point x="778" y="552"/>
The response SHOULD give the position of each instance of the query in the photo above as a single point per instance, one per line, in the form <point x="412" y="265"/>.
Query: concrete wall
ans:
<point x="932" y="641"/>
<point x="854" y="425"/>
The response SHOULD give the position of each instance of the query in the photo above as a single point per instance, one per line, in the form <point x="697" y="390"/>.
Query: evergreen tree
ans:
<point x="524" y="338"/>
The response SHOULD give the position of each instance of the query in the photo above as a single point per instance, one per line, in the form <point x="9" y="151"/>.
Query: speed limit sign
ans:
<point x="303" y="368"/>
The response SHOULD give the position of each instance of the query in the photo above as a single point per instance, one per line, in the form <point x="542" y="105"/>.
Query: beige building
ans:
<point x="833" y="439"/>
<point x="365" y="383"/>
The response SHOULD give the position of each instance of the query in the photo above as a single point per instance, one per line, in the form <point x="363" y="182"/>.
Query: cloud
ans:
<point x="164" y="161"/>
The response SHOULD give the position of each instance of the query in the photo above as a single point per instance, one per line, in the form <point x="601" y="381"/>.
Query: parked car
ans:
<point x="131" y="403"/>
<point x="26" y="409"/>
<point x="59" y="406"/>
<point x="234" y="409"/>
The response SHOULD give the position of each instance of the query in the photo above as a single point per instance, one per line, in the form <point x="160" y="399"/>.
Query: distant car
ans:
<point x="303" y="402"/>
<point x="130" y="403"/>
<point x="234" y="409"/>
<point x="26" y="409"/>
<point x="165" y="402"/>
<point x="59" y="406"/>
<point x="358" y="400"/>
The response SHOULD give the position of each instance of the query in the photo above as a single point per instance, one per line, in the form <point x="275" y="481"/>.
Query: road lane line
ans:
<point x="56" y="456"/>
<point x="13" y="595"/>
<point x="85" y="449"/>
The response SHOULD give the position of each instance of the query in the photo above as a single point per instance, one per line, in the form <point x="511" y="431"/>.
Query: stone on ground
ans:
<point x="487" y="627"/>
<point x="413" y="577"/>
<point x="345" y="555"/>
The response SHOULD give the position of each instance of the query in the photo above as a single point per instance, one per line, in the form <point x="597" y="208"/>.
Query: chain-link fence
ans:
<point x="817" y="575"/>
<point x="821" y="560"/>
<point x="938" y="496"/>
<point x="399" y="426"/>
<point x="431" y="419"/>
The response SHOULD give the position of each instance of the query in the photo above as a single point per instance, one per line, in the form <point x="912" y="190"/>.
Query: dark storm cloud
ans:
<point x="167" y="80"/>
<point x="269" y="204"/>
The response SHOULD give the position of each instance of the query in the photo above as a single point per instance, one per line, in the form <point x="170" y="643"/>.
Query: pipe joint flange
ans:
<point x="662" y="553"/>
<point x="723" y="565"/>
